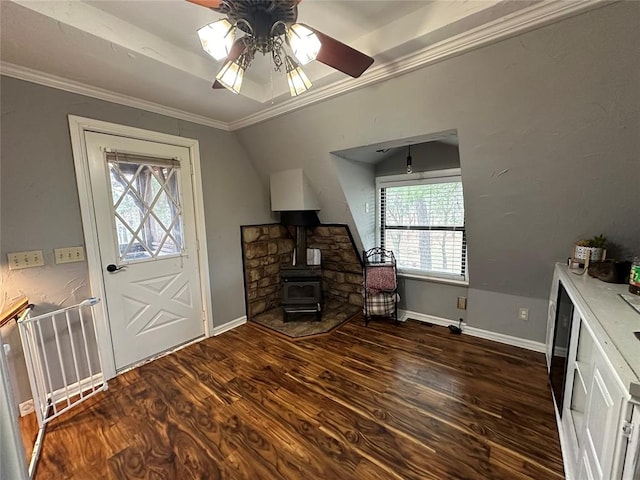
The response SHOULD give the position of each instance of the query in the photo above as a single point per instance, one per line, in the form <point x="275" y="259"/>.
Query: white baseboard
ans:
<point x="96" y="382"/>
<point x="403" y="315"/>
<point x="229" y="325"/>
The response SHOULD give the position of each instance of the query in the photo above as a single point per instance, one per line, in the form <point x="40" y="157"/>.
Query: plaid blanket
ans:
<point x="382" y="303"/>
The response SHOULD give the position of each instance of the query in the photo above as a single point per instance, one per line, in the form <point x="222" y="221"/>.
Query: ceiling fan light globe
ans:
<point x="231" y="75"/>
<point x="297" y="79"/>
<point x="304" y="43"/>
<point x="217" y="38"/>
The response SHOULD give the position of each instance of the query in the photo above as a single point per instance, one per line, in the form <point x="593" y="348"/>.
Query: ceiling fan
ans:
<point x="269" y="25"/>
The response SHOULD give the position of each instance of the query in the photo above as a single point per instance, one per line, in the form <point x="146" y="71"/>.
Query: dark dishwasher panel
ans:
<point x="561" y="338"/>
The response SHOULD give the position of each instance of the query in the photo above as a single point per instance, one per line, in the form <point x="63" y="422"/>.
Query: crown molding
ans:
<point x="53" y="81"/>
<point x="539" y="15"/>
<point x="543" y="13"/>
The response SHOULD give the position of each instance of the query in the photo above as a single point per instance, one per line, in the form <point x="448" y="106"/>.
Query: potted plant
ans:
<point x="595" y="249"/>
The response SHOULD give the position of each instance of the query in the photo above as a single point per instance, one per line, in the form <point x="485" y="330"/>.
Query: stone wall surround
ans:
<point x="265" y="248"/>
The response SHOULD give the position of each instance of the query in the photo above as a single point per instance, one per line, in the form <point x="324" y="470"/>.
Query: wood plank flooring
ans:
<point x="383" y="402"/>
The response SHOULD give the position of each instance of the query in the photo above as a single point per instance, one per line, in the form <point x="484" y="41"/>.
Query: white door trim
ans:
<point x="77" y="128"/>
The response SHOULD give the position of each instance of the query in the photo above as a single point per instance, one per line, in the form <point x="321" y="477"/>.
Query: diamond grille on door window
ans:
<point x="146" y="206"/>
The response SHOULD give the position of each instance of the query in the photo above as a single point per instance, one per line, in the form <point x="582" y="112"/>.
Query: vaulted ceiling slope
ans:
<point x="146" y="54"/>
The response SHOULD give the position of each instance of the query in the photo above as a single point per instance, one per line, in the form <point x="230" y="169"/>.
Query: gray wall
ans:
<point x="431" y="298"/>
<point x="358" y="184"/>
<point x="40" y="208"/>
<point x="548" y="126"/>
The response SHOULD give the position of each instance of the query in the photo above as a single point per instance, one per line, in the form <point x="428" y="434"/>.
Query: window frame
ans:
<point x="422" y="178"/>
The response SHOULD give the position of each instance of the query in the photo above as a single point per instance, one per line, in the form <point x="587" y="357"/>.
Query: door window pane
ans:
<point x="146" y="206"/>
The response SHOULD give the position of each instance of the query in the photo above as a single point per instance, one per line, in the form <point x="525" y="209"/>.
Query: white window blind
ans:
<point x="422" y="221"/>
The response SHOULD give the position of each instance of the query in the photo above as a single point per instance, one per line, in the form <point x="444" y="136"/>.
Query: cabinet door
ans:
<point x="585" y="468"/>
<point x="601" y="433"/>
<point x="577" y="386"/>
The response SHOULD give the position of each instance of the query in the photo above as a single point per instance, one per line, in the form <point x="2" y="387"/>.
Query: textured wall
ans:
<point x="548" y="125"/>
<point x="40" y="208"/>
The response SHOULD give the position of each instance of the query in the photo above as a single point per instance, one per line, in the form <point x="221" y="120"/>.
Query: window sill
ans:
<point x="427" y="278"/>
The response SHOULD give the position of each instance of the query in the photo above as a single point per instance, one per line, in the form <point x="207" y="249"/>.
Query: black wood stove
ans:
<point x="301" y="283"/>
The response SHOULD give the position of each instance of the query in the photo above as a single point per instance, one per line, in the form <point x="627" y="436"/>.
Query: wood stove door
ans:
<point x="301" y="292"/>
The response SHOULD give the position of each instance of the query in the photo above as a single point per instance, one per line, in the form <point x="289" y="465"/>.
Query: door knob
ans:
<point x="113" y="268"/>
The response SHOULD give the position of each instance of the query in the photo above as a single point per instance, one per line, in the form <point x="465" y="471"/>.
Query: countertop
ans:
<point x="615" y="323"/>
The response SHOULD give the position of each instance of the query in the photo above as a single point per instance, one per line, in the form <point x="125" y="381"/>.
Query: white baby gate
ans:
<point x="63" y="362"/>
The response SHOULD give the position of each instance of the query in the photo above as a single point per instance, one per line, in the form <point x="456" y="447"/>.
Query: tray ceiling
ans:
<point x="146" y="53"/>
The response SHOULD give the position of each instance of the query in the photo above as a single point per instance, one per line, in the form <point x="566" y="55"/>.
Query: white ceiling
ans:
<point x="146" y="53"/>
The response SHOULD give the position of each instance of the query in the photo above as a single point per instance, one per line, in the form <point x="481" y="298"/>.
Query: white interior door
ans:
<point x="145" y="220"/>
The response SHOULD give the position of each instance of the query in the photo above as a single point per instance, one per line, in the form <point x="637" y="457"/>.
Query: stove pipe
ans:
<point x="301" y="219"/>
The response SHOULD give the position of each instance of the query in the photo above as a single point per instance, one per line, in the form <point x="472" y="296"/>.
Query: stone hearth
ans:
<point x="266" y="248"/>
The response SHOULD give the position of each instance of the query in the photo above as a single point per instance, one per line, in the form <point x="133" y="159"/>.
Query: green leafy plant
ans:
<point x="599" y="241"/>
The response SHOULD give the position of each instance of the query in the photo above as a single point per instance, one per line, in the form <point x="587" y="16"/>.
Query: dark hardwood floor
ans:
<point x="384" y="402"/>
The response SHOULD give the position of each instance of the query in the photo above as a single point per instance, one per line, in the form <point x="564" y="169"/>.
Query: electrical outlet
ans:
<point x="462" y="303"/>
<point x="26" y="408"/>
<point x="69" y="254"/>
<point x="18" y="260"/>
<point x="523" y="314"/>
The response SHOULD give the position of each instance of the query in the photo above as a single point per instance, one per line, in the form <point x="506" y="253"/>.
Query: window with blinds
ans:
<point x="422" y="221"/>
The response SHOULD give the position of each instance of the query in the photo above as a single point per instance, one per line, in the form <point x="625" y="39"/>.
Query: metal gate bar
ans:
<point x="52" y="399"/>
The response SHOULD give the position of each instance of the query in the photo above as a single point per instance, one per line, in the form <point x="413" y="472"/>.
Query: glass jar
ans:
<point x="634" y="276"/>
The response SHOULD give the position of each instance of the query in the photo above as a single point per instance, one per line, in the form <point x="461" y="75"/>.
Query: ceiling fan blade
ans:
<point x="340" y="56"/>
<point x="207" y="3"/>
<point x="236" y="50"/>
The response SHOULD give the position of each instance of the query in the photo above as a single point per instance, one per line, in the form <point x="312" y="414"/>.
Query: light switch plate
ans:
<point x="32" y="258"/>
<point x="69" y="254"/>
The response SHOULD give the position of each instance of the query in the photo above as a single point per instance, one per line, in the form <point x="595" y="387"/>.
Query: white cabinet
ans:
<point x="601" y="420"/>
<point x="598" y="431"/>
<point x="592" y="407"/>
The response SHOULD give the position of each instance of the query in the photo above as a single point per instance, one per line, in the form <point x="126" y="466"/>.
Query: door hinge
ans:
<point x="627" y="429"/>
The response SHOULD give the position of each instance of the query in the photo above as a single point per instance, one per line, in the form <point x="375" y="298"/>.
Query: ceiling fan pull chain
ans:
<point x="271" y="81"/>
